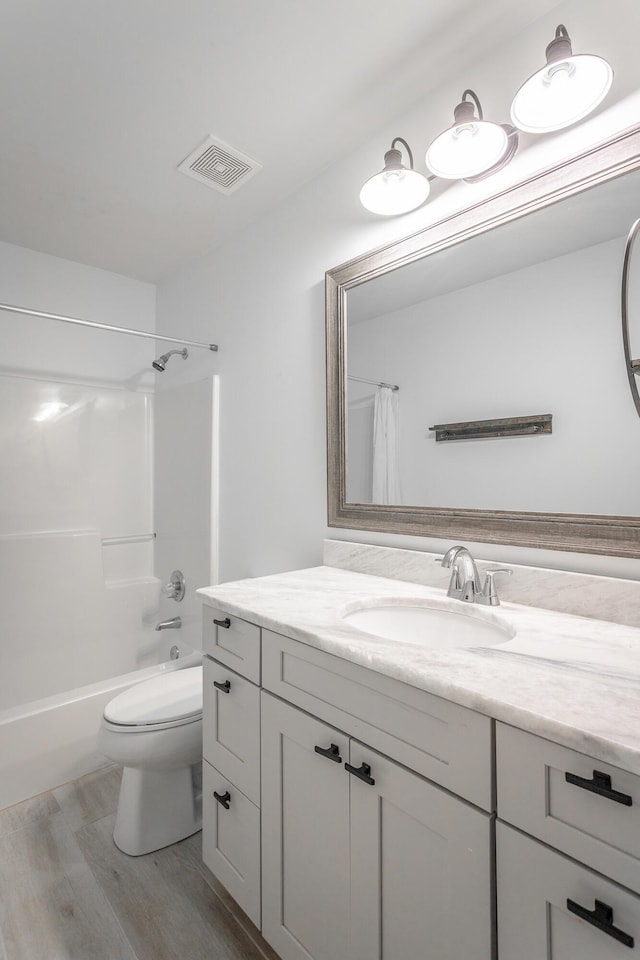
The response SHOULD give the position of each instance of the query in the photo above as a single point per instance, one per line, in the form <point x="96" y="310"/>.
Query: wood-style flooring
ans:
<point x="68" y="893"/>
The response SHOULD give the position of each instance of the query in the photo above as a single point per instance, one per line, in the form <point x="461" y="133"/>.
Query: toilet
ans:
<point x="154" y="730"/>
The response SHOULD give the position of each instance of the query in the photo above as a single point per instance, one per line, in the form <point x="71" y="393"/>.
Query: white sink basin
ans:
<point x="441" y="627"/>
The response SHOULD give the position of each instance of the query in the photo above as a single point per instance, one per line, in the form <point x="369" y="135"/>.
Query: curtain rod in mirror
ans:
<point x="375" y="383"/>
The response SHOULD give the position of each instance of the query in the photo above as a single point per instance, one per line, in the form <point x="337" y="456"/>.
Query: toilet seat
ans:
<point x="171" y="700"/>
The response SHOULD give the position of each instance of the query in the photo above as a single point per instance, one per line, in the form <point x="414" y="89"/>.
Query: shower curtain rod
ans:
<point x="375" y="383"/>
<point x="106" y="326"/>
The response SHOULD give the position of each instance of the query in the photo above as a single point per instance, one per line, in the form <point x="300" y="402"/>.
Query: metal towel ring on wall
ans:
<point x="633" y="366"/>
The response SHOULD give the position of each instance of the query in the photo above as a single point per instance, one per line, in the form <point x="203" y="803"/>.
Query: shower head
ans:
<point x="161" y="362"/>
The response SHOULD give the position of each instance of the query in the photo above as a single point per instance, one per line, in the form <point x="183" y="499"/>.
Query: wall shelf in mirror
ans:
<point x="511" y="301"/>
<point x="501" y="427"/>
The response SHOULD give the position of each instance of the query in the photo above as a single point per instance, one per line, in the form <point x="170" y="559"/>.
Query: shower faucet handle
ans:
<point x="175" y="589"/>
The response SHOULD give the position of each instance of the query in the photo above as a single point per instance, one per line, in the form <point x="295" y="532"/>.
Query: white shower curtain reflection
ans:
<point x="386" y="441"/>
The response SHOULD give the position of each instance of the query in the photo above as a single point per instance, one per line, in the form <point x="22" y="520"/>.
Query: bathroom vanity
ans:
<point x="391" y="798"/>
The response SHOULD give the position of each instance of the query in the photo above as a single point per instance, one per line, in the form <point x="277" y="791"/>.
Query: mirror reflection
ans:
<point x="522" y="320"/>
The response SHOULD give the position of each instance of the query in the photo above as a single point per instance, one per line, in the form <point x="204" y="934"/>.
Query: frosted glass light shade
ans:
<point x="394" y="191"/>
<point x="467" y="149"/>
<point x="562" y="93"/>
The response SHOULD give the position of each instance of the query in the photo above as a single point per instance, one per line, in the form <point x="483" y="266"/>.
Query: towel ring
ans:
<point x="633" y="366"/>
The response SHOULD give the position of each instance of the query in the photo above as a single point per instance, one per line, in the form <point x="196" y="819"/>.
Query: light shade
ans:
<point x="469" y="147"/>
<point x="564" y="91"/>
<point x="396" y="189"/>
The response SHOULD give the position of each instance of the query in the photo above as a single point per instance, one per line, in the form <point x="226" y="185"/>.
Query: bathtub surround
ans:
<point x="186" y="494"/>
<point x="76" y="478"/>
<point x="77" y="485"/>
<point x="583" y="595"/>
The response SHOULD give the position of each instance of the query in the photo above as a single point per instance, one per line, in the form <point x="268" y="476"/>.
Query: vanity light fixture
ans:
<point x="472" y="146"/>
<point x="564" y="91"/>
<point x="396" y="189"/>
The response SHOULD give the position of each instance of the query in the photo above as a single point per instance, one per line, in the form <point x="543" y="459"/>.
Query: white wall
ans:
<point x="261" y="296"/>
<point x="74" y="608"/>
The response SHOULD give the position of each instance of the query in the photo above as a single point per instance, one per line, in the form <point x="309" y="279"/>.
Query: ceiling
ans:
<point x="102" y="101"/>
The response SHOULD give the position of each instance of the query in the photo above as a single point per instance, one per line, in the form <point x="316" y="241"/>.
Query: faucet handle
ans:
<point x="489" y="592"/>
<point x="175" y="589"/>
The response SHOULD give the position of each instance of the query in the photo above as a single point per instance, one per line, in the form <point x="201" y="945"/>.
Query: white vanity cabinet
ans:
<point x="571" y="888"/>
<point x="367" y="853"/>
<point x="378" y="821"/>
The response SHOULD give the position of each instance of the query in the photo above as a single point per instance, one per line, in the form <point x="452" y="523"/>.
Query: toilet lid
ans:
<point x="172" y="696"/>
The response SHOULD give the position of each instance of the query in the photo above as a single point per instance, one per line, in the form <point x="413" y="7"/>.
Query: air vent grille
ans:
<point x="219" y="166"/>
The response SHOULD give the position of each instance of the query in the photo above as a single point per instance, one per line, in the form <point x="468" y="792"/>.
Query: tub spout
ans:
<point x="174" y="624"/>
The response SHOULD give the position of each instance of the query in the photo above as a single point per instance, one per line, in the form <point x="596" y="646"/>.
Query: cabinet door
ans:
<point x="547" y="906"/>
<point x="305" y="835"/>
<point x="231" y="840"/>
<point x="231" y="731"/>
<point x="420" y="868"/>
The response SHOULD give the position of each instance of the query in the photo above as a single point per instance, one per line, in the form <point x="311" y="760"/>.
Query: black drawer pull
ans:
<point x="602" y="918"/>
<point x="601" y="784"/>
<point x="331" y="753"/>
<point x="363" y="772"/>
<point x="226" y="623"/>
<point x="225" y="687"/>
<point x="223" y="798"/>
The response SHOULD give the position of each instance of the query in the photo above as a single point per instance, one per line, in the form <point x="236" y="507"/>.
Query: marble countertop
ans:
<point x="573" y="680"/>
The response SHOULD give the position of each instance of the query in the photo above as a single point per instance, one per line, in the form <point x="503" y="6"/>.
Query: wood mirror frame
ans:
<point x="584" y="533"/>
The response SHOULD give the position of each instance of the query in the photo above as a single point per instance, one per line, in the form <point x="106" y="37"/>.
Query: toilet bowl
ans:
<point x="154" y="730"/>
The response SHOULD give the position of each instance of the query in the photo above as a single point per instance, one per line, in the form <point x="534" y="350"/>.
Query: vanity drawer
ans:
<point x="236" y="645"/>
<point x="231" y="730"/>
<point x="444" y="742"/>
<point x="535" y="795"/>
<point x="535" y="920"/>
<point x="231" y="841"/>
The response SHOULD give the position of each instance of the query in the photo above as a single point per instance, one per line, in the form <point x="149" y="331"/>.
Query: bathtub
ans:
<point x="48" y="742"/>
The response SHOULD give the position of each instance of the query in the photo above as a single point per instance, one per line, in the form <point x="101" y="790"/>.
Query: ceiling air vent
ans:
<point x="218" y="165"/>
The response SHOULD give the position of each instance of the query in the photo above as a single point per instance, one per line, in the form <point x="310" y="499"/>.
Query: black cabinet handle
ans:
<point x="363" y="772"/>
<point x="601" y="784"/>
<point x="602" y="918"/>
<point x="225" y="687"/>
<point x="223" y="798"/>
<point x="226" y="623"/>
<point x="331" y="753"/>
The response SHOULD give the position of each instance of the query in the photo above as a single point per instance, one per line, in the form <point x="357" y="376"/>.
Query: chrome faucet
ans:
<point x="465" y="583"/>
<point x="174" y="624"/>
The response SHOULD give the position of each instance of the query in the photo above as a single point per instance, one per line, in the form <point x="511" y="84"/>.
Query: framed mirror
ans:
<point x="476" y="381"/>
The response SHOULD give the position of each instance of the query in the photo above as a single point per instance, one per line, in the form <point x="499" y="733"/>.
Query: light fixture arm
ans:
<point x="406" y="146"/>
<point x="560" y="47"/>
<point x="474" y="97"/>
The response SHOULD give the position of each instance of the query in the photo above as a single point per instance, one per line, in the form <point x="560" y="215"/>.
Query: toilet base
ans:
<point x="157" y="808"/>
